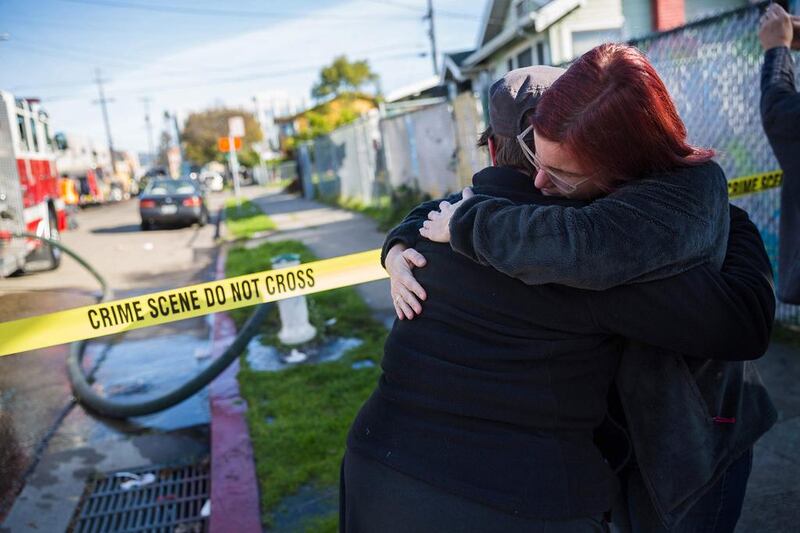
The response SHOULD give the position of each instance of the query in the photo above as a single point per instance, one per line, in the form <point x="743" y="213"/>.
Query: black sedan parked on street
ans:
<point x="172" y="201"/>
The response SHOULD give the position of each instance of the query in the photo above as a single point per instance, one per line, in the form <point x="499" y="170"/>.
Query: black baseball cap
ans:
<point x="515" y="94"/>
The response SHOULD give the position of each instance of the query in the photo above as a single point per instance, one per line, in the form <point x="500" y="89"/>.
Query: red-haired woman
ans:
<point x="608" y="131"/>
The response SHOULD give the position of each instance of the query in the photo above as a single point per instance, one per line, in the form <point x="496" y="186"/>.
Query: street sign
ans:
<point x="236" y="126"/>
<point x="224" y="144"/>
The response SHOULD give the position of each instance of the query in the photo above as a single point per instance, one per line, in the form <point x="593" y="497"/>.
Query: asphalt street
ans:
<point x="52" y="444"/>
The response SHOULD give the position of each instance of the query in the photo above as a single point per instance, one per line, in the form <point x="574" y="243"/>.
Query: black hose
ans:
<point x="106" y="294"/>
<point x="89" y="398"/>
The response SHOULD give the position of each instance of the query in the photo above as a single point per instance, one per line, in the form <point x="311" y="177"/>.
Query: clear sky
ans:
<point x="191" y="54"/>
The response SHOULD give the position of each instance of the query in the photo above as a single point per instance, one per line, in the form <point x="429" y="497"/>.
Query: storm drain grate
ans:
<point x="171" y="503"/>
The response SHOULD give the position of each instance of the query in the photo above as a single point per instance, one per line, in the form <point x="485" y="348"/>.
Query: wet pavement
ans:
<point x="53" y="443"/>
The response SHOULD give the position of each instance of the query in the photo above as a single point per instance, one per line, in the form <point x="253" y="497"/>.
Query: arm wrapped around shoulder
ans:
<point x="648" y="229"/>
<point x="407" y="231"/>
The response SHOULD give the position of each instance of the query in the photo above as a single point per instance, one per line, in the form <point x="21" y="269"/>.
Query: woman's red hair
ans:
<point x="615" y="114"/>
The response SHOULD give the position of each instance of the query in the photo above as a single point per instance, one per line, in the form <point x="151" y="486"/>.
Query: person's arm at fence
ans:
<point x="780" y="102"/>
<point x="648" y="229"/>
<point x="706" y="313"/>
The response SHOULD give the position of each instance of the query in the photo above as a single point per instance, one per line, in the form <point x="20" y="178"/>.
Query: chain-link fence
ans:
<point x="425" y="150"/>
<point x="712" y="70"/>
<point x="349" y="163"/>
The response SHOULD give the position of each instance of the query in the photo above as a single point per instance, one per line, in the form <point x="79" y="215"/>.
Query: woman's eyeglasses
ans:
<point x="565" y="185"/>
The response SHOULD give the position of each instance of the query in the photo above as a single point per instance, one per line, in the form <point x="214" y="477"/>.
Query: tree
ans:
<point x="342" y="76"/>
<point x="202" y="129"/>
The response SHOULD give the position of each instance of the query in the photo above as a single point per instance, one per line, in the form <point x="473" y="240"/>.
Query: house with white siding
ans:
<point x="520" y="33"/>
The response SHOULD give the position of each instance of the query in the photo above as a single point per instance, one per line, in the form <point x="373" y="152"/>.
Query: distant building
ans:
<point x="647" y="16"/>
<point x="427" y="88"/>
<point x="325" y="116"/>
<point x="271" y="105"/>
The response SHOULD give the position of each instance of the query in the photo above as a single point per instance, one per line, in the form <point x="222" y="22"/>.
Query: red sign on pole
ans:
<point x="224" y="145"/>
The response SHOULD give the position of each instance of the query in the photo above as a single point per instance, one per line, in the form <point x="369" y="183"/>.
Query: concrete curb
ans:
<point x="234" y="485"/>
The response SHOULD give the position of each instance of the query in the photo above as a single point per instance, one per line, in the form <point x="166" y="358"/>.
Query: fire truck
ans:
<point x="29" y="189"/>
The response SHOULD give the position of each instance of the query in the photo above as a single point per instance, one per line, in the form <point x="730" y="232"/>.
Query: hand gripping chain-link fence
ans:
<point x="712" y="70"/>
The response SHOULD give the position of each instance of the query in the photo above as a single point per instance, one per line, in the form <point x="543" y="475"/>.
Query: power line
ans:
<point x="421" y="9"/>
<point x="229" y="80"/>
<point x="49" y="51"/>
<point x="211" y="69"/>
<point x="203" y="11"/>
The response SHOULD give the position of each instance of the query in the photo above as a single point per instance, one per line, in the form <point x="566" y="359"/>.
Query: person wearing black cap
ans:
<point x="483" y="418"/>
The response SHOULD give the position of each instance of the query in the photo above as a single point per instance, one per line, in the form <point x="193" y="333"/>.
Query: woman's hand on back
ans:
<point x="405" y="290"/>
<point x="437" y="227"/>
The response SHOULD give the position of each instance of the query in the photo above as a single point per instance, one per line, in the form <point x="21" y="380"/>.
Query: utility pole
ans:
<point x="103" y="101"/>
<point x="149" y="125"/>
<point x="432" y="35"/>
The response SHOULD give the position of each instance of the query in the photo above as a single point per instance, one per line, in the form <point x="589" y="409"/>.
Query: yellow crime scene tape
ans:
<point x="162" y="307"/>
<point x="755" y="183"/>
<point x="127" y="314"/>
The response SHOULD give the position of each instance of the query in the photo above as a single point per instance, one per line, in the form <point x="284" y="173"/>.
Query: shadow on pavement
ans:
<point x="134" y="228"/>
<point x="125" y="228"/>
<point x="283" y="203"/>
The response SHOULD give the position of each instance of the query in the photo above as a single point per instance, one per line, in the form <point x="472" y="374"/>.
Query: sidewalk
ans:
<point x="330" y="232"/>
<point x="772" y="504"/>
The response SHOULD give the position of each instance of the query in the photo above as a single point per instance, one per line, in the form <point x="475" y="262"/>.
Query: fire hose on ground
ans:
<point x="88" y="397"/>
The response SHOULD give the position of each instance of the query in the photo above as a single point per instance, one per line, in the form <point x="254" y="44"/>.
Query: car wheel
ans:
<point x="145" y="225"/>
<point x="203" y="220"/>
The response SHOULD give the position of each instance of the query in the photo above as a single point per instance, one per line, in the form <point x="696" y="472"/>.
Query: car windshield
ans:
<point x="164" y="187"/>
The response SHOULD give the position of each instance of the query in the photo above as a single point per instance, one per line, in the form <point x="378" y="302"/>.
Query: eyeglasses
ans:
<point x="563" y="184"/>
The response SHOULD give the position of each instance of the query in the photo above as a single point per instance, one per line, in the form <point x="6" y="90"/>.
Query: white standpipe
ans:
<point x="295" y="327"/>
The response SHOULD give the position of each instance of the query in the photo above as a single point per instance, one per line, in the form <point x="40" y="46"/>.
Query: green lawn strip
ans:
<point x="387" y="210"/>
<point x="310" y="407"/>
<point x="246" y="219"/>
<point x="786" y="334"/>
<point x="328" y="524"/>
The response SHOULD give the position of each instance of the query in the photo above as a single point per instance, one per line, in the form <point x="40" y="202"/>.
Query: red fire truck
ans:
<point x="29" y="192"/>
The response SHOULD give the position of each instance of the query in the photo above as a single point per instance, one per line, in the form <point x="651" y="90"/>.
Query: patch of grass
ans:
<point x="786" y="334"/>
<point x="246" y="219"/>
<point x="326" y="524"/>
<point x="389" y="210"/>
<point x="312" y="406"/>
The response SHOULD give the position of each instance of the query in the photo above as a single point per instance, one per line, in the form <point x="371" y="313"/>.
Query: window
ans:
<point x="520" y="9"/>
<point x="524" y="7"/>
<point x="525" y="58"/>
<point x="23" y="135"/>
<point x="541" y="56"/>
<point x="34" y="135"/>
<point x="61" y="142"/>
<point x="47" y="138"/>
<point x="510" y="64"/>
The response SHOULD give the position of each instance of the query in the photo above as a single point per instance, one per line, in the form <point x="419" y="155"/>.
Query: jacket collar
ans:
<point x="516" y="186"/>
